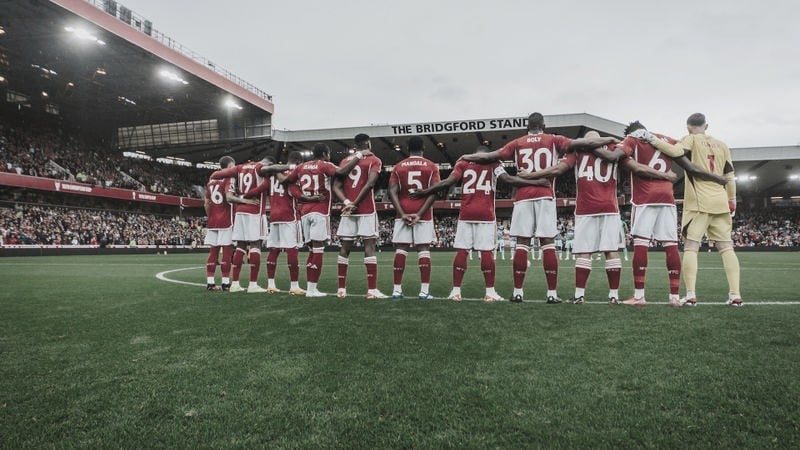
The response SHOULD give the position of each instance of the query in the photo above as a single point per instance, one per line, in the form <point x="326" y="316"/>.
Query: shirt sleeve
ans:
<point x="458" y="170"/>
<point x="376" y="166"/>
<point x="329" y="169"/>
<point x="292" y="175"/>
<point x="435" y="176"/>
<point x="507" y="152"/>
<point x="562" y="143"/>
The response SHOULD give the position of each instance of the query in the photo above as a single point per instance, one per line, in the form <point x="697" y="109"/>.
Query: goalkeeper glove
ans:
<point x="644" y="135"/>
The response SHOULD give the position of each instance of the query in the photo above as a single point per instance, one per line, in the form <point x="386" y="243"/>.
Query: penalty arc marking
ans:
<point x="163" y="277"/>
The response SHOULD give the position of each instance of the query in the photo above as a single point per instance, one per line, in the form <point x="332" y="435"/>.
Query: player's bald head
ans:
<point x="295" y="157"/>
<point x="482" y="149"/>
<point x="592" y="134"/>
<point x="226" y="161"/>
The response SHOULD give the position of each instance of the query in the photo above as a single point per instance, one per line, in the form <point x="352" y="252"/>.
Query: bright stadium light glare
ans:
<point x="45" y="94"/>
<point x="794" y="177"/>
<point x="172" y="76"/>
<point x="85" y="35"/>
<point x="232" y="104"/>
<point x="2" y="31"/>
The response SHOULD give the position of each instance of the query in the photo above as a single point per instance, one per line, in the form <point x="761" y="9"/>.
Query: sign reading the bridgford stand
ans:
<point x="465" y="125"/>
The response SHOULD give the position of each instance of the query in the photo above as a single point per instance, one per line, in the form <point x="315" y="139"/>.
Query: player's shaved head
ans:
<point x="226" y="161"/>
<point x="321" y="150"/>
<point x="696" y="120"/>
<point x="268" y="160"/>
<point x="592" y="134"/>
<point x="536" y="122"/>
<point x="362" y="140"/>
<point x="633" y="126"/>
<point x="295" y="157"/>
<point x="482" y="149"/>
<point x="415" y="145"/>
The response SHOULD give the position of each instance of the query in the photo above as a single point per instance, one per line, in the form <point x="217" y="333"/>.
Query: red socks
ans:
<point x="613" y="272"/>
<point x="293" y="258"/>
<point x="673" y="267"/>
<point x="550" y="264"/>
<point x="272" y="262"/>
<point x="459" y="267"/>
<point x="238" y="259"/>
<point x="211" y="262"/>
<point x="520" y="265"/>
<point x="227" y="256"/>
<point x="371" y="264"/>
<point x="583" y="268"/>
<point x="487" y="267"/>
<point x="399" y="265"/>
<point x="343" y="263"/>
<point x="314" y="264"/>
<point x="254" y="258"/>
<point x="424" y="266"/>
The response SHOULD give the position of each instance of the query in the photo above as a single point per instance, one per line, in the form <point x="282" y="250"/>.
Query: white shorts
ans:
<point x="249" y="227"/>
<point x="659" y="222"/>
<point x="284" y="235"/>
<point x="474" y="235"/>
<point x="597" y="233"/>
<point x="219" y="238"/>
<point x="534" y="218"/>
<point x="420" y="234"/>
<point x="315" y="227"/>
<point x="351" y="227"/>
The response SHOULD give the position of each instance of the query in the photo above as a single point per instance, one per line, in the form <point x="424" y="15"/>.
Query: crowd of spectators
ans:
<point x="774" y="228"/>
<point x="26" y="224"/>
<point x="45" y="153"/>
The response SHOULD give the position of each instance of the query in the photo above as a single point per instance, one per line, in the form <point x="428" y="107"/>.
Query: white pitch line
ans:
<point x="163" y="276"/>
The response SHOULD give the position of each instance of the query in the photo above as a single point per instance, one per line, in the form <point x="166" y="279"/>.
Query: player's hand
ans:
<point x="732" y="206"/>
<point x="610" y="140"/>
<point x="470" y="157"/>
<point x="366" y="153"/>
<point x="673" y="177"/>
<point x="313" y="198"/>
<point x="348" y="210"/>
<point x="409" y="219"/>
<point x="249" y="201"/>
<point x="644" y="135"/>
<point x="418" y="194"/>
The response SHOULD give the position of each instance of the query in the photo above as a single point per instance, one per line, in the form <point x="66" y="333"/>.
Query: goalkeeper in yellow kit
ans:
<point x="707" y="206"/>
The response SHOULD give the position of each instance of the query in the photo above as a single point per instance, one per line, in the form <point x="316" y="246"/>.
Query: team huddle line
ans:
<point x="299" y="194"/>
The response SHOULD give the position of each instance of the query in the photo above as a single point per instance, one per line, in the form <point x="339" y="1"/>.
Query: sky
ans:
<point x="343" y="63"/>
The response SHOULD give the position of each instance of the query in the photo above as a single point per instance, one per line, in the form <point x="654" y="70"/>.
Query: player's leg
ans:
<point x="227" y="257"/>
<point x="211" y="268"/>
<point x="614" y="273"/>
<point x="236" y="265"/>
<point x="719" y="230"/>
<point x="342" y="264"/>
<point x="274" y="250"/>
<point x="546" y="231"/>
<point x="694" y="226"/>
<point x="293" y="239"/>
<point x="673" y="260"/>
<point x="484" y="243"/>
<point x="254" y="259"/>
<point x="463" y="242"/>
<point x="399" y="266"/>
<point x="640" y="261"/>
<point x="583" y="268"/>
<point x="424" y="255"/>
<point x="316" y="231"/>
<point x="523" y="228"/>
<point x="643" y="225"/>
<point x="371" y="266"/>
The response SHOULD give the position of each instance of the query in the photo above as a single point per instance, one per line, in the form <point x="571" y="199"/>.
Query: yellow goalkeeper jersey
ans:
<point x="712" y="155"/>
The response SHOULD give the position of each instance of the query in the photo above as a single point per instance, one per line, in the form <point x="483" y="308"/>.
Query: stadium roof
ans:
<point x="101" y="68"/>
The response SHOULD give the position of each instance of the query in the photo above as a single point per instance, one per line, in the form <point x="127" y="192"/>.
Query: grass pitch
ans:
<point x="96" y="352"/>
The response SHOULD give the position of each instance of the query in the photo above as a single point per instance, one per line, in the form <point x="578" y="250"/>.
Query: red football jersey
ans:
<point x="596" y="184"/>
<point x="314" y="178"/>
<point x="247" y="179"/>
<point x="282" y="206"/>
<point x="649" y="192"/>
<point x="477" y="190"/>
<point x="532" y="153"/>
<point x="220" y="215"/>
<point x="356" y="180"/>
<point x="412" y="174"/>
